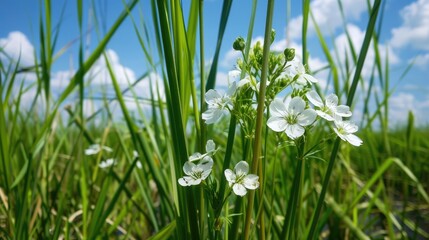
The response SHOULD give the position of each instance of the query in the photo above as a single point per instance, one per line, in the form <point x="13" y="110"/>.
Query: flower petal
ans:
<point x="211" y="96"/>
<point x="243" y="82"/>
<point x="239" y="190"/>
<point x="314" y="98"/>
<point x="109" y="162"/>
<point x="307" y="117"/>
<point x="188" y="167"/>
<point x="212" y="115"/>
<point x="93" y="149"/>
<point x="206" y="163"/>
<point x="343" y="111"/>
<point x="277" y="124"/>
<point x="310" y="78"/>
<point x="294" y="131"/>
<point x="106" y="149"/>
<point x="234" y="74"/>
<point x="230" y="175"/>
<point x="195" y="157"/>
<point x="251" y="181"/>
<point x="339" y="134"/>
<point x="231" y="89"/>
<point x="185" y="181"/>
<point x="331" y="100"/>
<point x="242" y="168"/>
<point x="206" y="173"/>
<point x="325" y="115"/>
<point x="296" y="106"/>
<point x="353" y="140"/>
<point x="350" y="127"/>
<point x="278" y="108"/>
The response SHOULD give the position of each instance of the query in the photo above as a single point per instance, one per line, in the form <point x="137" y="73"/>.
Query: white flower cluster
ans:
<point x="196" y="173"/>
<point x="219" y="104"/>
<point x="292" y="116"/>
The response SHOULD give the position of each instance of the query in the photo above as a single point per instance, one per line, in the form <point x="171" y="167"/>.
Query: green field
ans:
<point x="159" y="169"/>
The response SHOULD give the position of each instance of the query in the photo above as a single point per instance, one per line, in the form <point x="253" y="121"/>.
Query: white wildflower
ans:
<point x="290" y="117"/>
<point x="297" y="71"/>
<point x="345" y="130"/>
<point x="96" y="148"/>
<point x="107" y="163"/>
<point x="329" y="110"/>
<point x="218" y="103"/>
<point x="195" y="173"/>
<point x="210" y="151"/>
<point x="240" y="180"/>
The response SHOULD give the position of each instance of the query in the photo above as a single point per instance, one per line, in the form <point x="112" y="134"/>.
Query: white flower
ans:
<point x="240" y="181"/>
<point x="297" y="71"/>
<point x="139" y="165"/>
<point x="96" y="148"/>
<point x="218" y="103"/>
<point x="330" y="110"/>
<point x="109" y="162"/>
<point x="210" y="151"/>
<point x="290" y="117"/>
<point x="196" y="172"/>
<point x="345" y="130"/>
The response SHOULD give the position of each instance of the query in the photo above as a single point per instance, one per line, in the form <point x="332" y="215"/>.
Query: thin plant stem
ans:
<point x="202" y="106"/>
<point x="260" y="113"/>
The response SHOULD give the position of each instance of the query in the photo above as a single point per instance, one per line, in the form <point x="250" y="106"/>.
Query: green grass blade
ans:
<point x="226" y="8"/>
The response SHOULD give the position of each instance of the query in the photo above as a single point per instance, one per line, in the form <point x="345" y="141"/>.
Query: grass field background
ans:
<point x="51" y="189"/>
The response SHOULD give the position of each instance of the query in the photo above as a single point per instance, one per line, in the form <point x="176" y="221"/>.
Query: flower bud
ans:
<point x="289" y="54"/>
<point x="239" y="44"/>
<point x="273" y="35"/>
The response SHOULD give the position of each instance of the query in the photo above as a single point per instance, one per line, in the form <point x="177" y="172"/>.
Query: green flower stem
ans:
<point x="226" y="163"/>
<point x="202" y="77"/>
<point x="203" y="213"/>
<point x="260" y="114"/>
<point x="295" y="195"/>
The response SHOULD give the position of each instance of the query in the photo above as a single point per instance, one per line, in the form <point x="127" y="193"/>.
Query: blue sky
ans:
<point x="404" y="37"/>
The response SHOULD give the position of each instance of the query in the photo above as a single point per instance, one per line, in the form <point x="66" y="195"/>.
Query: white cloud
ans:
<point x="230" y="58"/>
<point x="99" y="73"/>
<point x="414" y="30"/>
<point x="17" y="46"/>
<point x="327" y="15"/>
<point x="357" y="36"/>
<point x="421" y="60"/>
<point x="401" y="103"/>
